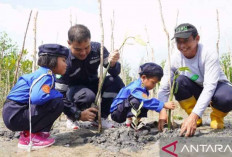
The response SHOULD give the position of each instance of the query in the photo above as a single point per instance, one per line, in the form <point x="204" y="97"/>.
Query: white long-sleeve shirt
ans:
<point x="204" y="66"/>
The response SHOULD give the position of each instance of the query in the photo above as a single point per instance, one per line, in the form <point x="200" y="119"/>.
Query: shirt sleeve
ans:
<point x="43" y="91"/>
<point x="150" y="104"/>
<point x="61" y="83"/>
<point x="71" y="110"/>
<point x="211" y="77"/>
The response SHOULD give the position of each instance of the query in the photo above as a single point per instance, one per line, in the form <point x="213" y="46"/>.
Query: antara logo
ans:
<point x="164" y="148"/>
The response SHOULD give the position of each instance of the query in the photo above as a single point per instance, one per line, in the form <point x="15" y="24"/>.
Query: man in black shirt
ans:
<point x="80" y="82"/>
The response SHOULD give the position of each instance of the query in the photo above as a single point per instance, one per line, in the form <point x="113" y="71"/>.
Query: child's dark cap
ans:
<point x="151" y="69"/>
<point x="53" y="50"/>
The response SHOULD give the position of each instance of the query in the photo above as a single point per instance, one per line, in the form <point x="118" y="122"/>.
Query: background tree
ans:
<point x="8" y="59"/>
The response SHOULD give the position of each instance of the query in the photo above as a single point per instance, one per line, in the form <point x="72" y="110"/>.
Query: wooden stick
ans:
<point x="70" y="20"/>
<point x="35" y="47"/>
<point x="218" y="27"/>
<point x="101" y="68"/>
<point x="169" y="59"/>
<point x="21" y="54"/>
<point x="112" y="22"/>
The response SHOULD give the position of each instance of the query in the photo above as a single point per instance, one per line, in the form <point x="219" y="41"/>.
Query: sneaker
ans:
<point x="44" y="134"/>
<point x="37" y="140"/>
<point x="72" y="125"/>
<point x="106" y="123"/>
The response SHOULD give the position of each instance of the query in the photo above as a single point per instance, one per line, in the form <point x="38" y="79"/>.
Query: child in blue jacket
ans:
<point x="36" y="92"/>
<point x="136" y="93"/>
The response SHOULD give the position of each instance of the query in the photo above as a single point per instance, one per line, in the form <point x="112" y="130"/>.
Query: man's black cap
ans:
<point x="53" y="50"/>
<point x="151" y="69"/>
<point x="185" y="30"/>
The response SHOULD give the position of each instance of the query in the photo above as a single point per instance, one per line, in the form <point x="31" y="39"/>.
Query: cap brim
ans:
<point x="182" y="35"/>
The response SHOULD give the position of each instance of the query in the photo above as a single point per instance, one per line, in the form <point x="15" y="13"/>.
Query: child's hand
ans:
<point x="170" y="105"/>
<point x="162" y="119"/>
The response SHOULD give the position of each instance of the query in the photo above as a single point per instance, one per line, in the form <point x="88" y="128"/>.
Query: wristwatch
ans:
<point x="77" y="115"/>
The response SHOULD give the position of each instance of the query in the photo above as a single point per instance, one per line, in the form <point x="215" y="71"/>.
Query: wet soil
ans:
<point x="121" y="141"/>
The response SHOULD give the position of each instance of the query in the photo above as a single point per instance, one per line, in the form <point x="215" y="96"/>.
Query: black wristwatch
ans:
<point x="77" y="115"/>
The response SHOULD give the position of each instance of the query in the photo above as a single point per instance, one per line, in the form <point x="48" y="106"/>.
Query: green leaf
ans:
<point x="140" y="41"/>
<point x="176" y="88"/>
<point x="176" y="76"/>
<point x="141" y="105"/>
<point x="135" y="121"/>
<point x="133" y="111"/>
<point x="184" y="69"/>
<point x="177" y="117"/>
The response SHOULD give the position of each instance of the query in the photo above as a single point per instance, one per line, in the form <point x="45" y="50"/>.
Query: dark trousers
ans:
<point x="123" y="110"/>
<point x="84" y="95"/>
<point x="16" y="115"/>
<point x="221" y="100"/>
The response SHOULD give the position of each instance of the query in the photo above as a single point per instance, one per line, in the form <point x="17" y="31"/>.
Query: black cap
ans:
<point x="53" y="50"/>
<point x="185" y="30"/>
<point x="151" y="69"/>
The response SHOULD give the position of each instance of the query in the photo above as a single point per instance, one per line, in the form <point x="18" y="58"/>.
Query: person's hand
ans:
<point x="113" y="58"/>
<point x="170" y="105"/>
<point x="189" y="125"/>
<point x="162" y="119"/>
<point x="89" y="114"/>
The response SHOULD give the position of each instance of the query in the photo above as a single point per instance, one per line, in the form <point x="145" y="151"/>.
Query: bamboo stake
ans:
<point x="218" y="27"/>
<point x="70" y="18"/>
<point x="105" y="72"/>
<point x="149" y="45"/>
<point x="35" y="47"/>
<point x="173" y="42"/>
<point x="8" y="81"/>
<point x="101" y="67"/>
<point x="112" y="32"/>
<point x="1" y="59"/>
<point x="20" y="56"/>
<point x="169" y="59"/>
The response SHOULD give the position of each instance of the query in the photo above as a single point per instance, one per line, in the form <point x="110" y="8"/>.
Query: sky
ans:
<point x="132" y="18"/>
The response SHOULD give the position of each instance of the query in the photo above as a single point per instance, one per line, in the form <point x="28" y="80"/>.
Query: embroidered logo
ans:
<point x="144" y="95"/>
<point x="194" y="77"/>
<point x="46" y="88"/>
<point x="182" y="29"/>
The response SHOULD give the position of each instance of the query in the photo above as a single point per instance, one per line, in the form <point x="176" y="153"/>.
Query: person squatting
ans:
<point x="137" y="92"/>
<point x="38" y="90"/>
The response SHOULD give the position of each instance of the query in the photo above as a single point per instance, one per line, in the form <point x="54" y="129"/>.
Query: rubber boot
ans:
<point x="188" y="105"/>
<point x="217" y="118"/>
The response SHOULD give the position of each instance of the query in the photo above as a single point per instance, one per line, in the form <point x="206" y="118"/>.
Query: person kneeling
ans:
<point x="135" y="96"/>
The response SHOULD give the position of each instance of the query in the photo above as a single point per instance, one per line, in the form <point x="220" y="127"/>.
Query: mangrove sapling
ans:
<point x="175" y="87"/>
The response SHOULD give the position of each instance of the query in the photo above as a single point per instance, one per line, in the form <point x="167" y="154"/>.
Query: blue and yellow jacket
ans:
<point x="40" y="86"/>
<point x="138" y="91"/>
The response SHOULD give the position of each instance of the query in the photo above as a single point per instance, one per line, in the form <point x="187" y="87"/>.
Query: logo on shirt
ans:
<point x="144" y="95"/>
<point x="96" y="57"/>
<point x="194" y="77"/>
<point x="46" y="88"/>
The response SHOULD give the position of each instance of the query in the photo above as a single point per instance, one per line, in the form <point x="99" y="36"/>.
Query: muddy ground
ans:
<point x="120" y="142"/>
